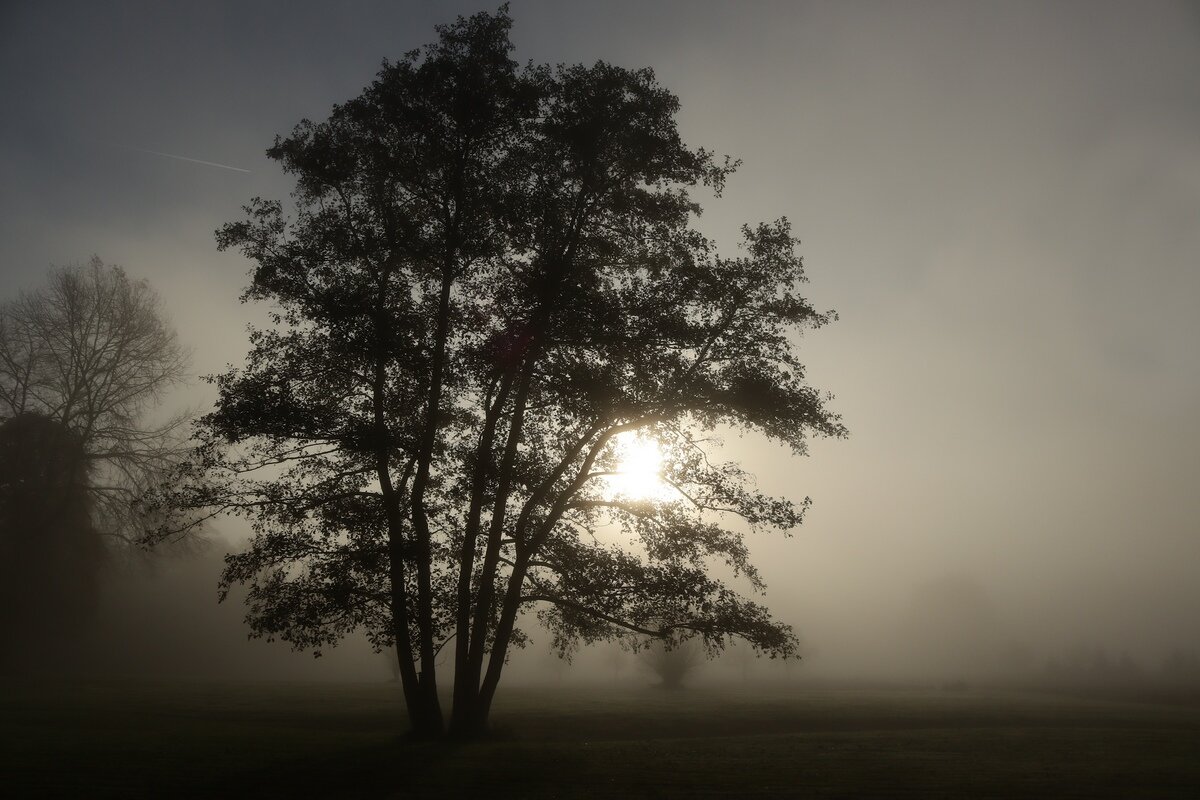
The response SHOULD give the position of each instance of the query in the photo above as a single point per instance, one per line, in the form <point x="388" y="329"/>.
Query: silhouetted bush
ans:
<point x="50" y="553"/>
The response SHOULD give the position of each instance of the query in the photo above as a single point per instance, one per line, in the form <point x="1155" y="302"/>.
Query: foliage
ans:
<point x="490" y="275"/>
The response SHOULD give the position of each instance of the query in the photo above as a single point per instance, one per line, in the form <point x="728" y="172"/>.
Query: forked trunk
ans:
<point x="474" y="694"/>
<point x="468" y="717"/>
<point x="424" y="711"/>
<point x="469" y="720"/>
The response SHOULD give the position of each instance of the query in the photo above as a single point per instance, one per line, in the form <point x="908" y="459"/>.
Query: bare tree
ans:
<point x="92" y="352"/>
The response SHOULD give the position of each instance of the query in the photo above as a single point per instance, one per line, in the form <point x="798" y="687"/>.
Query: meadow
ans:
<point x="124" y="739"/>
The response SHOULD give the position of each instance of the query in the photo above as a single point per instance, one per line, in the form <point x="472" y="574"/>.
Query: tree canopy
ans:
<point x="489" y="281"/>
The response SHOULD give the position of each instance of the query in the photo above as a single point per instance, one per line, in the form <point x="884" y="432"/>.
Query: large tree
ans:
<point x="489" y="282"/>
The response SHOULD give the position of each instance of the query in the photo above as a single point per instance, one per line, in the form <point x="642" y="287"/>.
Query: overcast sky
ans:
<point x="1001" y="200"/>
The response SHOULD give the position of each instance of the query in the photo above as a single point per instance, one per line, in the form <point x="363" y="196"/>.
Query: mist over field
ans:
<point x="158" y="619"/>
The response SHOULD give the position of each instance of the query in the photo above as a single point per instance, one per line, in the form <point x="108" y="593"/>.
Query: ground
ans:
<point x="334" y="740"/>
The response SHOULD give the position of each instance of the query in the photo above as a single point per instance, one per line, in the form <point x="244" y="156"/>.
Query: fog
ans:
<point x="1000" y="200"/>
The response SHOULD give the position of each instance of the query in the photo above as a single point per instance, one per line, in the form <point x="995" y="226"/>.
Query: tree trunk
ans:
<point x="420" y="697"/>
<point x="420" y="519"/>
<point x="500" y="642"/>
<point x="466" y="680"/>
<point x="424" y="717"/>
<point x="469" y="719"/>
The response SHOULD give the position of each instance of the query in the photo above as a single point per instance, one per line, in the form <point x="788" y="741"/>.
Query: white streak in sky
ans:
<point x="185" y="158"/>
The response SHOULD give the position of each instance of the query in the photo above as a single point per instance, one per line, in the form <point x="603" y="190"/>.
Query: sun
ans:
<point x="638" y="475"/>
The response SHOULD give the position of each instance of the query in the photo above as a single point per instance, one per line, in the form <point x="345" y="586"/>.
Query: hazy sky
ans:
<point x="1002" y="200"/>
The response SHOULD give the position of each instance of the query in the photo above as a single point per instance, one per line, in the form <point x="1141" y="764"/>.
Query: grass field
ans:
<point x="278" y="740"/>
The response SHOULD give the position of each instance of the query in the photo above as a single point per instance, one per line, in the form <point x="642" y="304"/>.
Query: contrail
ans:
<point x="184" y="158"/>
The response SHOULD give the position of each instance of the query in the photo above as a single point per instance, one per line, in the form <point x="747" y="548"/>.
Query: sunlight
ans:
<point x="639" y="470"/>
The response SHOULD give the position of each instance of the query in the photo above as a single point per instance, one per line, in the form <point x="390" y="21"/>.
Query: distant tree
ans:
<point x="50" y="552"/>
<point x="559" y="663"/>
<point x="615" y="658"/>
<point x="82" y="361"/>
<point x="92" y="353"/>
<point x="744" y="658"/>
<point x="489" y="278"/>
<point x="1181" y="665"/>
<point x="1093" y="666"/>
<point x="673" y="662"/>
<point x="953" y="628"/>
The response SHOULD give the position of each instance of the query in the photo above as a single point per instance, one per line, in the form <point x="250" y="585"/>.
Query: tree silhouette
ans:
<point x="92" y="353"/>
<point x="672" y="664"/>
<point x="50" y="552"/>
<point x="489" y="277"/>
<point x="82" y="360"/>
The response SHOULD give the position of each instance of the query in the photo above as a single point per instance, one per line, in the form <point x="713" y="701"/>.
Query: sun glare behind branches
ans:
<point x="638" y="473"/>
